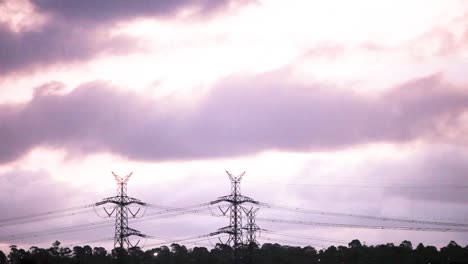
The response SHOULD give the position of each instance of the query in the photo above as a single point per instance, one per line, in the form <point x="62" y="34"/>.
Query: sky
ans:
<point x="342" y="106"/>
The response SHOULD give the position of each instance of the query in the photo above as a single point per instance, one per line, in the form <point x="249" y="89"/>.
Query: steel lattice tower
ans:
<point x="251" y="227"/>
<point x="235" y="200"/>
<point x="122" y="212"/>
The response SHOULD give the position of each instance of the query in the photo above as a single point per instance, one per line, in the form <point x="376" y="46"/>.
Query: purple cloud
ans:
<point x="54" y="44"/>
<point x="105" y="11"/>
<point x="240" y="116"/>
<point x="77" y="30"/>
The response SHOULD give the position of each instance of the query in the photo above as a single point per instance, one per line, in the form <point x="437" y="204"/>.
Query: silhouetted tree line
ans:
<point x="268" y="253"/>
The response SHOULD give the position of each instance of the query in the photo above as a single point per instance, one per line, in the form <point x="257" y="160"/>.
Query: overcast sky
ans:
<point x="344" y="106"/>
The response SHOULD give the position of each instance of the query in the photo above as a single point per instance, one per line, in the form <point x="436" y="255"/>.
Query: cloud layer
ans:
<point x="99" y="12"/>
<point x="80" y="30"/>
<point x="54" y="43"/>
<point x="243" y="115"/>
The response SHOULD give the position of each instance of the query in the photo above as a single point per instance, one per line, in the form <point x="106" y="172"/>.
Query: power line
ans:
<point x="419" y="187"/>
<point x="323" y="224"/>
<point x="4" y="221"/>
<point x="44" y="218"/>
<point x="158" y="206"/>
<point x="182" y="239"/>
<point x="164" y="214"/>
<point x="306" y="237"/>
<point x="121" y="207"/>
<point x="60" y="230"/>
<point x="382" y="218"/>
<point x="101" y="224"/>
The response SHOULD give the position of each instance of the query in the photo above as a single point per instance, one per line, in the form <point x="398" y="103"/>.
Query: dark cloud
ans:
<point x="54" y="43"/>
<point x="79" y="30"/>
<point x="240" y="116"/>
<point x="105" y="11"/>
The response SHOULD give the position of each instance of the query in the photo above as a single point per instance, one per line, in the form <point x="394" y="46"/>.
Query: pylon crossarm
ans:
<point x="134" y="232"/>
<point x="229" y="232"/>
<point x="234" y="178"/>
<point x="110" y="200"/>
<point x="121" y="180"/>
<point x="100" y="203"/>
<point x="104" y="201"/>
<point x="116" y="200"/>
<point x="231" y="199"/>
<point x="216" y="233"/>
<point x="231" y="177"/>
<point x="221" y="199"/>
<point x="254" y="228"/>
<point x="135" y="201"/>
<point x="239" y="178"/>
<point x="245" y="199"/>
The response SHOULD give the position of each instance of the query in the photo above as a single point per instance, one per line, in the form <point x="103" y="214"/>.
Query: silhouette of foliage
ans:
<point x="3" y="258"/>
<point x="269" y="253"/>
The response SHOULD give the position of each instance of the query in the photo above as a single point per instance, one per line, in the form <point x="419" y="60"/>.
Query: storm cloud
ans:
<point x="77" y="31"/>
<point x="54" y="44"/>
<point x="98" y="12"/>
<point x="243" y="115"/>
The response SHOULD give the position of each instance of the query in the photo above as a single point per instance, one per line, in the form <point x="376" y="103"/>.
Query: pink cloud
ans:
<point x="240" y="116"/>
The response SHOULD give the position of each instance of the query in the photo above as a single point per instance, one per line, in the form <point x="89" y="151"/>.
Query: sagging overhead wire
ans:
<point x="60" y="230"/>
<point x="381" y="218"/>
<point x="70" y="212"/>
<point x="323" y="224"/>
<point x="367" y="186"/>
<point x="172" y="209"/>
<point x="305" y="237"/>
<point x="44" y="218"/>
<point x="8" y="221"/>
<point x="102" y="224"/>
<point x="180" y="240"/>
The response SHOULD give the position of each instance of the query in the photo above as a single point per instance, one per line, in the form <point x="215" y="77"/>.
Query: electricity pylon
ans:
<point x="122" y="211"/>
<point x="251" y="229"/>
<point x="235" y="200"/>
